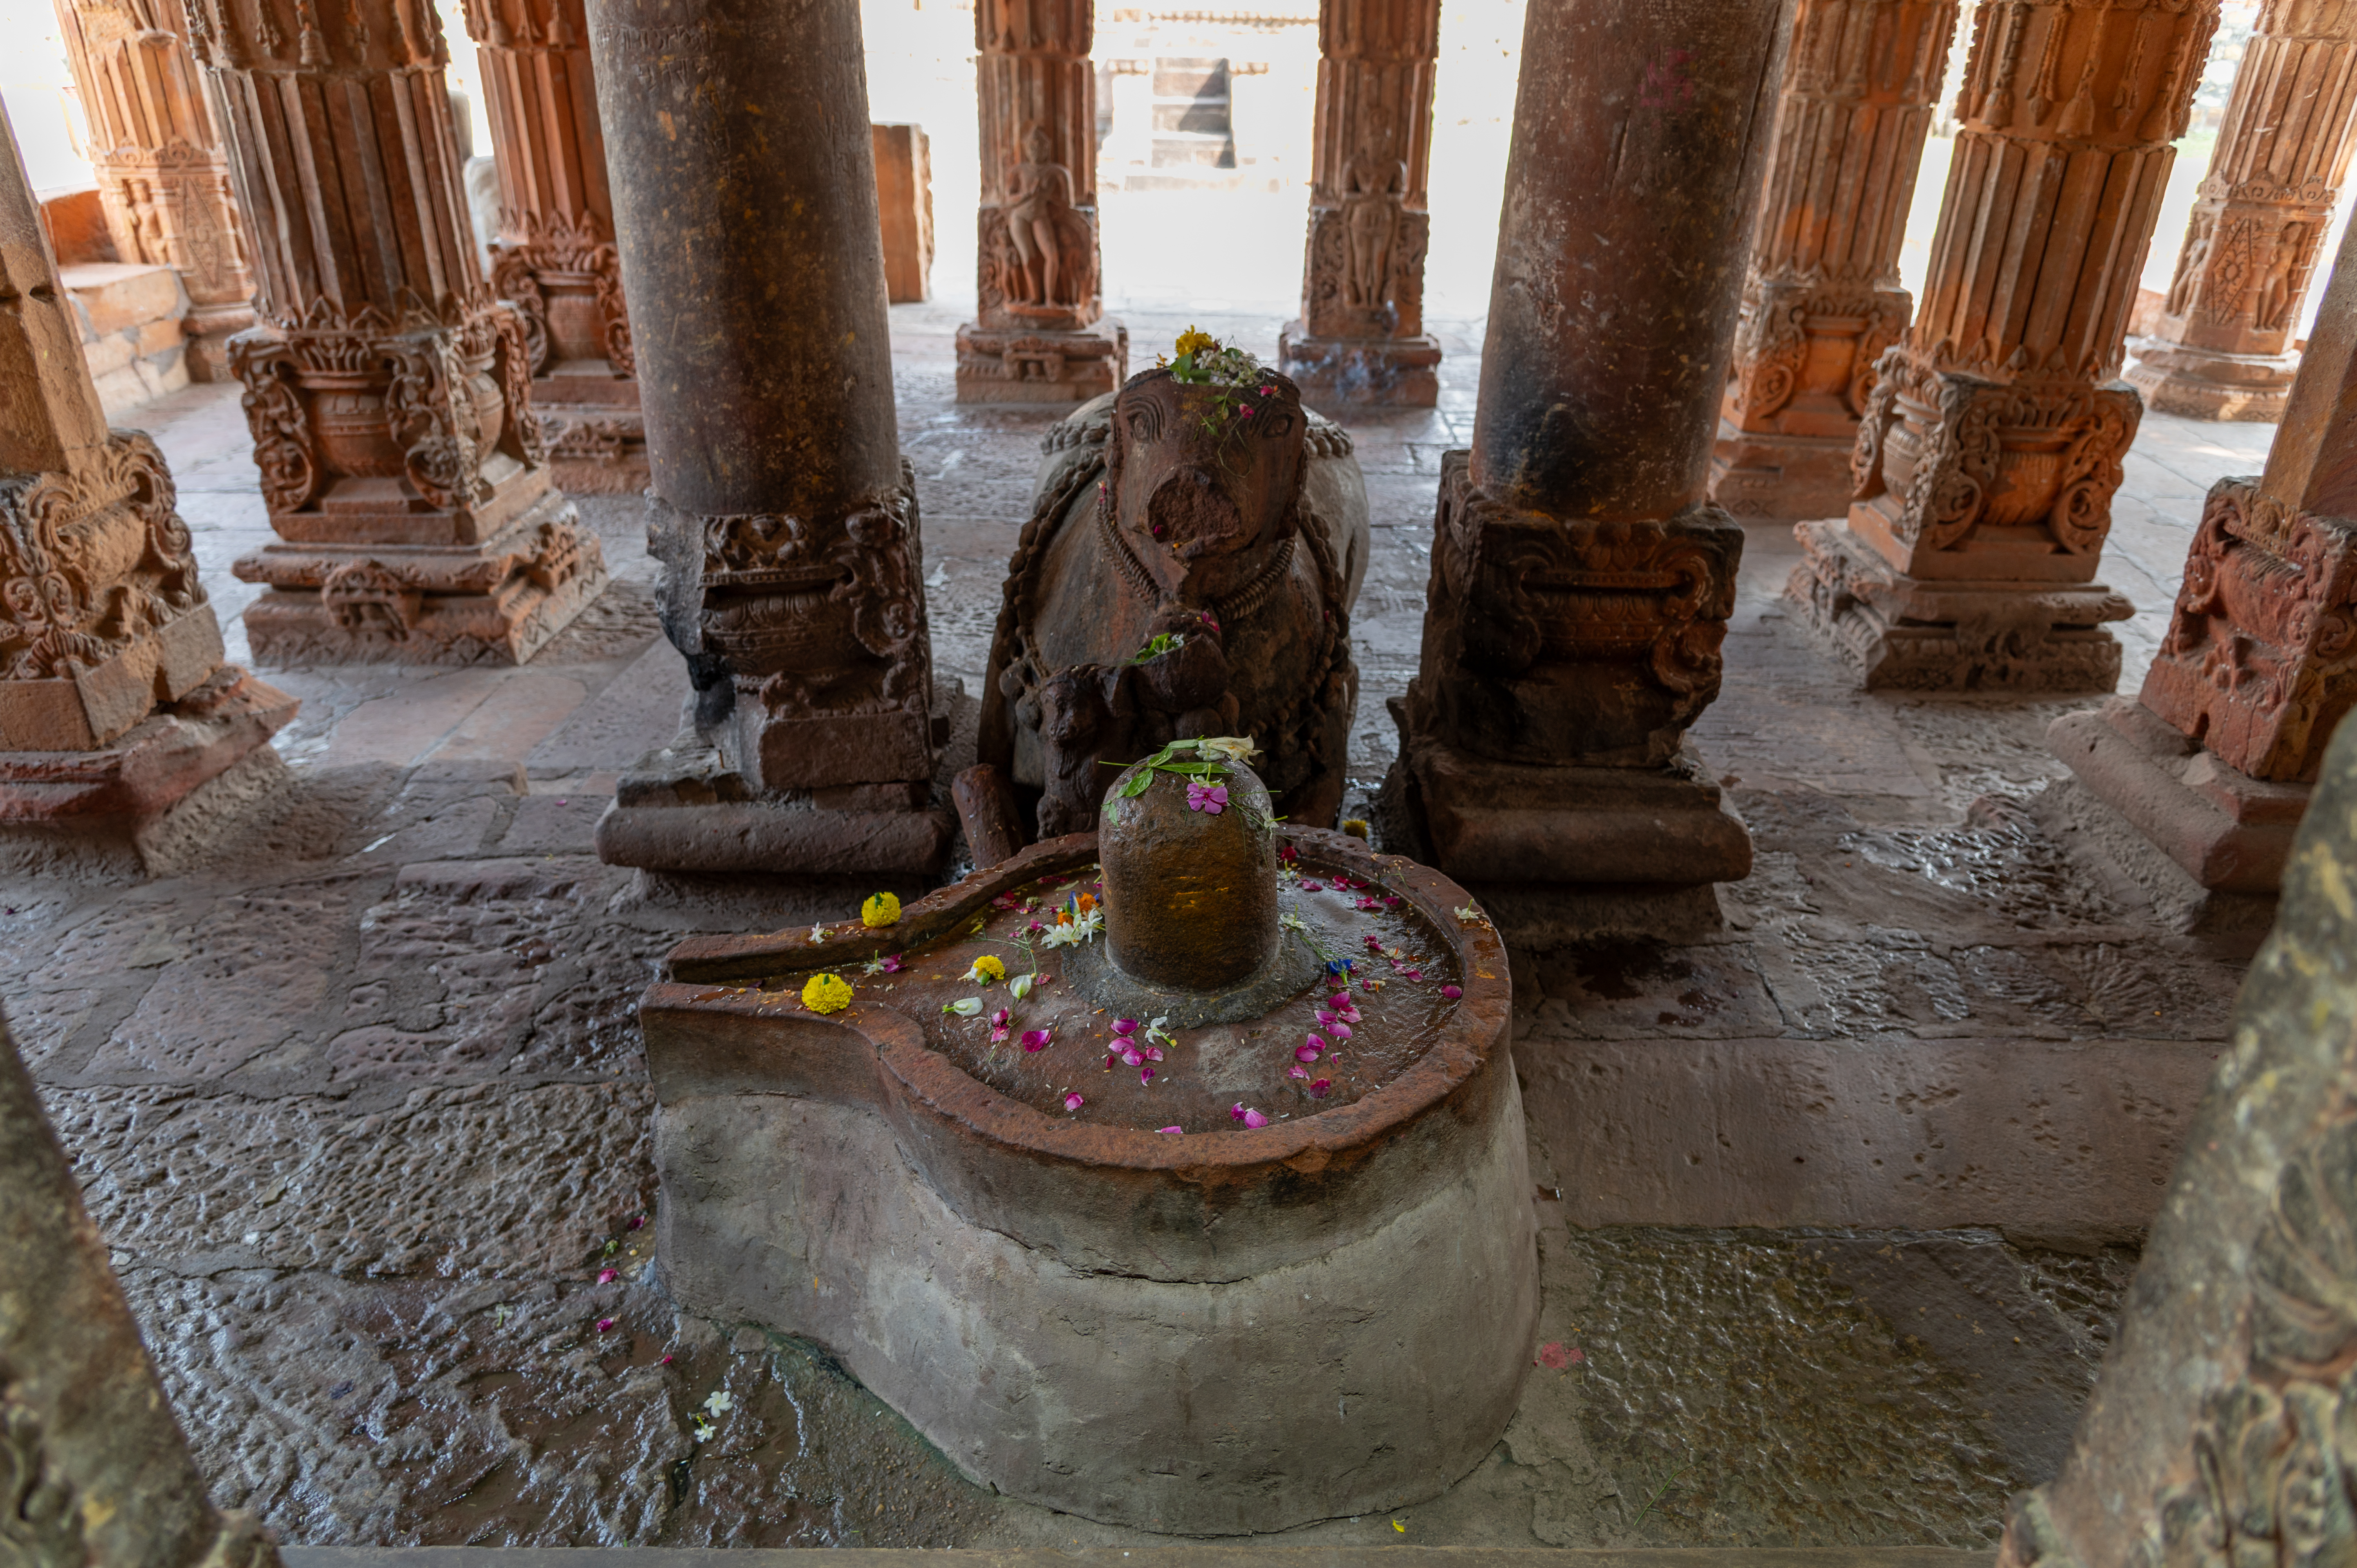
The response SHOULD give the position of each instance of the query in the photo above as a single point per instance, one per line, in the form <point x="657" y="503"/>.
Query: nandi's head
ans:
<point x="1203" y="477"/>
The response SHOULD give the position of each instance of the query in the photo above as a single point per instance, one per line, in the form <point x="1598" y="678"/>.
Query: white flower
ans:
<point x="1082" y="929"/>
<point x="718" y="1403"/>
<point x="1155" y="1030"/>
<point x="705" y="1434"/>
<point x="1021" y="986"/>
<point x="969" y="1008"/>
<point x="818" y="933"/>
<point x="1471" y="916"/>
<point x="1235" y="748"/>
<point x="1293" y="922"/>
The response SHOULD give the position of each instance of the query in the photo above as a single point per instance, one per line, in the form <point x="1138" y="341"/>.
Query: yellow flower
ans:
<point x="985" y="970"/>
<point x="826" y="993"/>
<point x="881" y="910"/>
<point x="1194" y="342"/>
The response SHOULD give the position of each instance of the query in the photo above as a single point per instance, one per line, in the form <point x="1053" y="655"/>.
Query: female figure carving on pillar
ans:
<point x="2190" y="271"/>
<point x="1374" y="185"/>
<point x="2275" y="295"/>
<point x="1042" y="222"/>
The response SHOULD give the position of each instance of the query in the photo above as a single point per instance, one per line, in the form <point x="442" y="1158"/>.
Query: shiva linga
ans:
<point x="1171" y="1175"/>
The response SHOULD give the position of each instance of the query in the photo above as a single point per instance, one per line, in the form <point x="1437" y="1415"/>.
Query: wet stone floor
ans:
<point x="359" y="1106"/>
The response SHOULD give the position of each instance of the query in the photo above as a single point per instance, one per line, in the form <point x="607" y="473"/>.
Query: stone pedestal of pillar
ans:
<point x="1822" y="302"/>
<point x="1042" y="334"/>
<point x="1581" y="581"/>
<point x="781" y="510"/>
<point x="162" y="172"/>
<point x="554" y="259"/>
<point x="1360" y="339"/>
<point x="2259" y="664"/>
<point x="2223" y="346"/>
<point x="1991" y="445"/>
<point x="115" y="705"/>
<point x="389" y="393"/>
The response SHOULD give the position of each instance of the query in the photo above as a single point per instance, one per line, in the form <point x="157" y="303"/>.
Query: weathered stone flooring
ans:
<point x="1836" y="1207"/>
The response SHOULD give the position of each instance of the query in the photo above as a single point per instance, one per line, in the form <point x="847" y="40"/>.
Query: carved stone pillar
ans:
<point x="554" y="259"/>
<point x="1581" y="579"/>
<point x="161" y="173"/>
<point x="114" y="704"/>
<point x="1361" y="338"/>
<point x="1042" y="334"/>
<point x="2222" y="349"/>
<point x="1822" y="300"/>
<point x="93" y="1466"/>
<point x="781" y="508"/>
<point x="2219" y="1434"/>
<point x="1991" y="445"/>
<point x="2213" y="762"/>
<point x="389" y="391"/>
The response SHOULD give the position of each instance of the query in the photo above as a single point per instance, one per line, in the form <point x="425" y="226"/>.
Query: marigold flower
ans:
<point x="880" y="910"/>
<point x="1193" y="341"/>
<point x="986" y="968"/>
<point x="826" y="993"/>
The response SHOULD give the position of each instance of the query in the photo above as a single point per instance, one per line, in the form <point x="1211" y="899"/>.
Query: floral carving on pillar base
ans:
<point x="563" y="277"/>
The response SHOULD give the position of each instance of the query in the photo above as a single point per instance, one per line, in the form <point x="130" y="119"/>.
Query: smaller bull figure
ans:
<point x="1194" y="550"/>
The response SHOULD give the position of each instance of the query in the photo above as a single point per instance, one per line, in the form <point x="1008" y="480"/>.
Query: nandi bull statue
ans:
<point x="1197" y="540"/>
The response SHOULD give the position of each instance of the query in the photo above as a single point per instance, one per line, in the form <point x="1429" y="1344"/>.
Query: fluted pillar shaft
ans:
<point x="1042" y="334"/>
<point x="554" y="259"/>
<point x="1991" y="445"/>
<point x="163" y="174"/>
<point x="2222" y="348"/>
<point x="1360" y="339"/>
<point x="389" y="393"/>
<point x="1822" y="301"/>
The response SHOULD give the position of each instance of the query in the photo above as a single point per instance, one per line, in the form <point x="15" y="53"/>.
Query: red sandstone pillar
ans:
<point x="2213" y="762"/>
<point x="1361" y="338"/>
<point x="2222" y="348"/>
<point x="163" y="176"/>
<point x="554" y="259"/>
<point x="114" y="704"/>
<point x="1581" y="579"/>
<point x="1042" y="334"/>
<point x="389" y="393"/>
<point x="1823" y="299"/>
<point x="1991" y="445"/>
<point x="784" y="514"/>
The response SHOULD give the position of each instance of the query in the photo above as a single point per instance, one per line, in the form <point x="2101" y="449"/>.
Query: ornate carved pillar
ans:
<point x="389" y="391"/>
<point x="1822" y="300"/>
<point x="781" y="508"/>
<point x="93" y="1466"/>
<point x="1581" y="579"/>
<point x="114" y="704"/>
<point x="162" y="176"/>
<point x="1991" y="445"/>
<point x="2213" y="762"/>
<point x="2223" y="346"/>
<point x="554" y="259"/>
<point x="1360" y="339"/>
<point x="1042" y="334"/>
<point x="2219" y="1431"/>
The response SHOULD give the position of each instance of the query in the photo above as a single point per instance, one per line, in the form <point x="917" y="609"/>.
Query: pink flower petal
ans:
<point x="1146" y="1075"/>
<point x="1154" y="1053"/>
<point x="1132" y="1057"/>
<point x="1374" y="944"/>
<point x="1074" y="1103"/>
<point x="1452" y="992"/>
<point x="1179" y="1130"/>
<point x="1342" y="999"/>
<point x="1125" y="1025"/>
<point x="637" y="1220"/>
<point x="1341" y="1031"/>
<point x="1038" y="1039"/>
<point x="607" y="1276"/>
<point x="1237" y="1113"/>
<point x="1313" y="887"/>
<point x="605" y="1326"/>
<point x="892" y="964"/>
<point x="1411" y="975"/>
<point x="1326" y="1015"/>
<point x="1319" y="1090"/>
<point x="1296" y="1070"/>
<point x="1306" y="1053"/>
<point x="1001" y="1017"/>
<point x="1254" y="1119"/>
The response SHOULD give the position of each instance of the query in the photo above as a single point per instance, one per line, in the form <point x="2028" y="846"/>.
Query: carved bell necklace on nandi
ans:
<point x="1193" y="552"/>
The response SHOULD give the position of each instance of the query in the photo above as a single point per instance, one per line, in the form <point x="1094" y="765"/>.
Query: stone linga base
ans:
<point x="1237" y="1328"/>
<point x="130" y="806"/>
<point x="1018" y="364"/>
<point x="1365" y="373"/>
<point x="2230" y="832"/>
<point x="1914" y="634"/>
<point x="1761" y="476"/>
<point x="684" y="809"/>
<point x="2209" y="384"/>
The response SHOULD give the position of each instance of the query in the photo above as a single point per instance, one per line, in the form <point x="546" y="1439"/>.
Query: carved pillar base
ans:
<point x="563" y="278"/>
<point x="1911" y="634"/>
<point x="1058" y="365"/>
<point x="1805" y="368"/>
<point x="1563" y="659"/>
<point x="403" y="474"/>
<point x="2230" y="833"/>
<point x="1366" y="372"/>
<point x="2209" y="384"/>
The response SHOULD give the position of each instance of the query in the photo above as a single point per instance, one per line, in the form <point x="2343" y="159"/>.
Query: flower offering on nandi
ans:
<point x="1197" y="540"/>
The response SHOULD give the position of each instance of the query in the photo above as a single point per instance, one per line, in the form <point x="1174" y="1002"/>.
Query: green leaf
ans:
<point x="1112" y="810"/>
<point x="1138" y="784"/>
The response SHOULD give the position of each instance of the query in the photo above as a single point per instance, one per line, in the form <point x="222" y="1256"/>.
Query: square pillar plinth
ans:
<point x="1361" y="372"/>
<point x="2228" y="831"/>
<point x="1770" y="476"/>
<point x="1964" y="633"/>
<point x="684" y="809"/>
<point x="1022" y="364"/>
